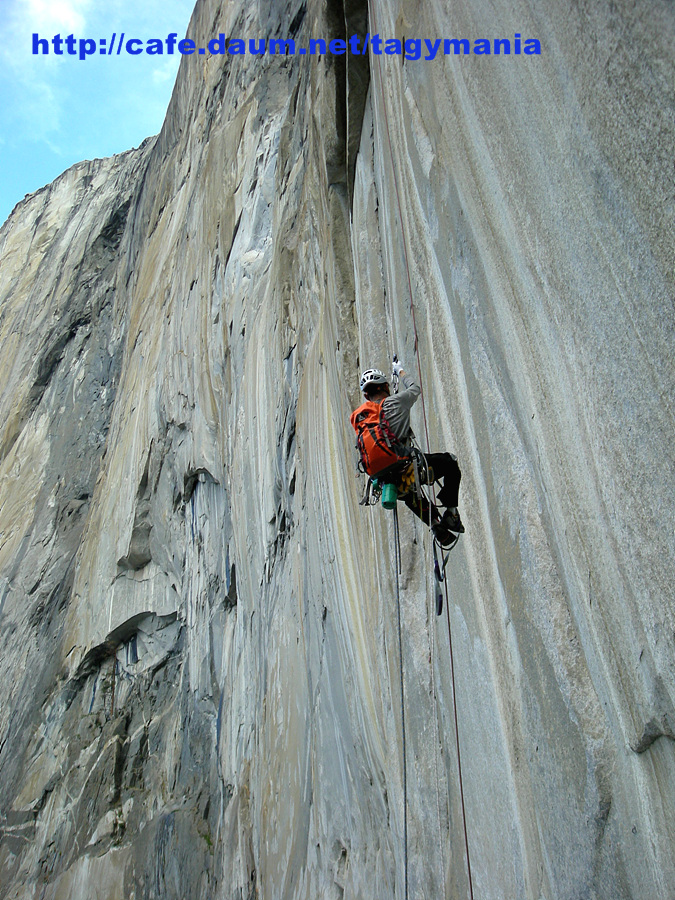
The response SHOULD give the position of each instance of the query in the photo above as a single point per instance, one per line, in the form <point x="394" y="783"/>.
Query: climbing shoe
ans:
<point x="452" y="522"/>
<point x="442" y="535"/>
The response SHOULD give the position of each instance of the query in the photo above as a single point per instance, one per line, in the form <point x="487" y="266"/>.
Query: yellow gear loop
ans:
<point x="407" y="482"/>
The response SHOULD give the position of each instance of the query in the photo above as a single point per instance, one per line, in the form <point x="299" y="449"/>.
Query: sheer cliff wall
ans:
<point x="199" y="641"/>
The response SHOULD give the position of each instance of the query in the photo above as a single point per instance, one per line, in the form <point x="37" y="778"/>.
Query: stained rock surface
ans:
<point x="199" y="642"/>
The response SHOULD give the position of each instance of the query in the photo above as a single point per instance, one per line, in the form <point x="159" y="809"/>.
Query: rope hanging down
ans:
<point x="459" y="755"/>
<point x="444" y="580"/>
<point x="397" y="559"/>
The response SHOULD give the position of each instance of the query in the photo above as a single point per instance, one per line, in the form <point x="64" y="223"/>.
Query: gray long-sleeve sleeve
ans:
<point x="397" y="407"/>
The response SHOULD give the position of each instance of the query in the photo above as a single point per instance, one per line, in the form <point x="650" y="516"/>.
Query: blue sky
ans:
<point x="57" y="110"/>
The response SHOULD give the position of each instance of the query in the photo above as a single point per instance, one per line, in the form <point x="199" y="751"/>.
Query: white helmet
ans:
<point x="372" y="376"/>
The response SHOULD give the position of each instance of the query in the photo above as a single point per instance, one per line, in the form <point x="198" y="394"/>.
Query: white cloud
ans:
<point x="51" y="17"/>
<point x="55" y="110"/>
<point x="31" y="104"/>
<point x="39" y="93"/>
<point x="166" y="72"/>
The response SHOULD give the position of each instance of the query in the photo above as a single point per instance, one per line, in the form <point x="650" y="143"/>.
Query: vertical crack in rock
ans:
<point x="138" y="555"/>
<point x="346" y="18"/>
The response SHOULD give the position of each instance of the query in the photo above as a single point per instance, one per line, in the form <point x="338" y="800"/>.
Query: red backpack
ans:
<point x="375" y="441"/>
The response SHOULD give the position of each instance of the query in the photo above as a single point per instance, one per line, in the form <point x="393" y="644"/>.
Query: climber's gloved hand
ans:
<point x="397" y="367"/>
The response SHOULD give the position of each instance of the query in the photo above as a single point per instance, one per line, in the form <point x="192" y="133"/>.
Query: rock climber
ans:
<point x="384" y="440"/>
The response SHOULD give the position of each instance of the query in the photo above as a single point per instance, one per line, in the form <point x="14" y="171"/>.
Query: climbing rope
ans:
<point x="459" y="755"/>
<point x="433" y="491"/>
<point x="407" y="264"/>
<point x="397" y="554"/>
<point x="437" y="740"/>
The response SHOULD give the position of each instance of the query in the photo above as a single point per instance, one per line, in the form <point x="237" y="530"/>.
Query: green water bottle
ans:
<point x="389" y="496"/>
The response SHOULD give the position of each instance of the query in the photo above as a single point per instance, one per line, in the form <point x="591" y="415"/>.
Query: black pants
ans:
<point x="444" y="467"/>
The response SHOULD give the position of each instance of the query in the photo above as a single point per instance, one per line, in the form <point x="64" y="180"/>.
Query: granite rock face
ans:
<point x="199" y="644"/>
